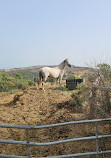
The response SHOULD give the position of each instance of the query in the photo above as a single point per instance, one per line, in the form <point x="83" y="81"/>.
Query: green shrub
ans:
<point x="30" y="83"/>
<point x="81" y="95"/>
<point x="18" y="82"/>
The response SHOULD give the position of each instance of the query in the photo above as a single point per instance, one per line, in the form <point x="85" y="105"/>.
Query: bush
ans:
<point x="18" y="82"/>
<point x="30" y="83"/>
<point x="81" y="95"/>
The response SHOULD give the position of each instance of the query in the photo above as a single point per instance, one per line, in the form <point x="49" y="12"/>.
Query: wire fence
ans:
<point x="29" y="144"/>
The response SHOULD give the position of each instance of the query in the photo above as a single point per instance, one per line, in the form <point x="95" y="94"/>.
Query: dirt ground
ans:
<point x="35" y="107"/>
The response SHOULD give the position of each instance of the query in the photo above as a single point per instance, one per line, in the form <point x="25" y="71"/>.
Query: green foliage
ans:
<point x="91" y="77"/>
<point x="30" y="83"/>
<point x="29" y="74"/>
<point x="104" y="71"/>
<point x="51" y="80"/>
<point x="102" y="99"/>
<point x="70" y="75"/>
<point x="7" y="83"/>
<point x="73" y="76"/>
<point x="80" y="95"/>
<point x="19" y="76"/>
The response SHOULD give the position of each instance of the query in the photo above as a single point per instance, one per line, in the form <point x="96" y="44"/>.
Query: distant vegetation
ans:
<point x="25" y="73"/>
<point x="9" y="83"/>
<point x="22" y="77"/>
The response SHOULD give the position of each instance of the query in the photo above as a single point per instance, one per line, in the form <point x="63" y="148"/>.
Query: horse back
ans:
<point x="52" y="72"/>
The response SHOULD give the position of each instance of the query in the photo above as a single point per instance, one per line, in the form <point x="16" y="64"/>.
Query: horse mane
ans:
<point x="62" y="64"/>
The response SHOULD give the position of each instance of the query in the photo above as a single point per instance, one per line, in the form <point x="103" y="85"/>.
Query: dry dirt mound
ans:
<point x="34" y="107"/>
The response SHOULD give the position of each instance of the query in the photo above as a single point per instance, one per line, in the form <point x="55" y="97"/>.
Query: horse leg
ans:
<point x="60" y="81"/>
<point x="43" y="81"/>
<point x="57" y="81"/>
<point x="43" y="85"/>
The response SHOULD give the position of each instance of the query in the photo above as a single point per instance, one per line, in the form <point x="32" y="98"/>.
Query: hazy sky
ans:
<point x="45" y="32"/>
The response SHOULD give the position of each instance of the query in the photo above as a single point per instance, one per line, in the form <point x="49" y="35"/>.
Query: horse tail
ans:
<point x="40" y="79"/>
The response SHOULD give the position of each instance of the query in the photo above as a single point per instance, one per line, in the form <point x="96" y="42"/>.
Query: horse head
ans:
<point x="67" y="63"/>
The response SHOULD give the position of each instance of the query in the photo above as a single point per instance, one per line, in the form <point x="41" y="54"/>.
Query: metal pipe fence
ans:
<point x="29" y="144"/>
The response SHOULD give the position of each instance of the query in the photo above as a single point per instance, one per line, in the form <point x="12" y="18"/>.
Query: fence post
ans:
<point x="96" y="132"/>
<point x="28" y="143"/>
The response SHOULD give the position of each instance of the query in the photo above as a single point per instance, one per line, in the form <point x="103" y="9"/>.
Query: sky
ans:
<point x="45" y="32"/>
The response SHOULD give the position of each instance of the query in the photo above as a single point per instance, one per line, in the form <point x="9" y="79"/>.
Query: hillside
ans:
<point x="34" y="107"/>
<point x="32" y="72"/>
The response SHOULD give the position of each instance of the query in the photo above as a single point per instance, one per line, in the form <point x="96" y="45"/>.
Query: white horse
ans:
<point x="55" y="72"/>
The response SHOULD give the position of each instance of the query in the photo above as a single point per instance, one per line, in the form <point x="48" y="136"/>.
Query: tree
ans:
<point x="102" y="82"/>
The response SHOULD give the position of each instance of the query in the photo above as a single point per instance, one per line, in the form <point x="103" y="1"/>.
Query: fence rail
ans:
<point x="29" y="144"/>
